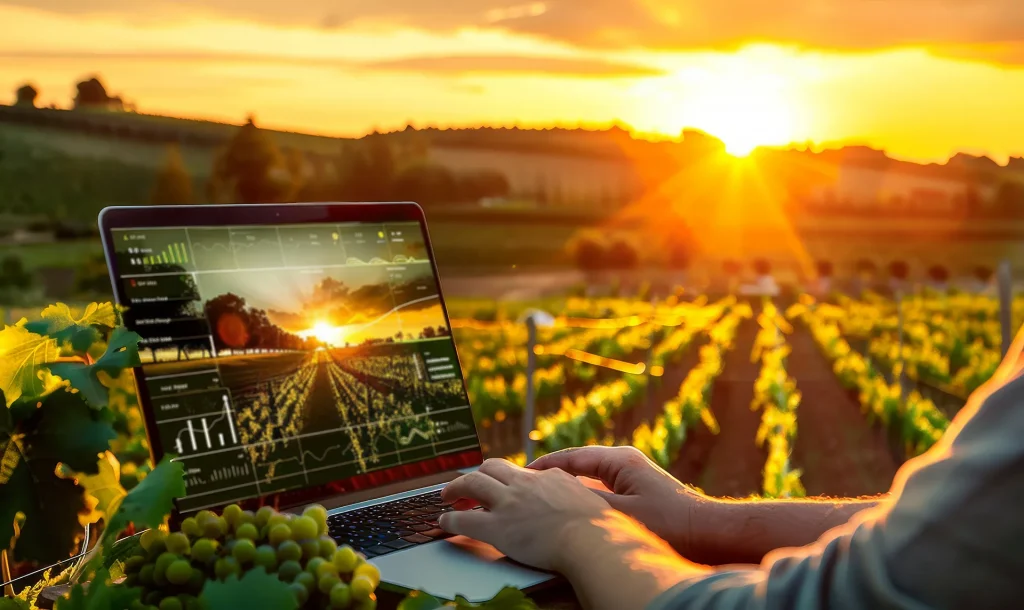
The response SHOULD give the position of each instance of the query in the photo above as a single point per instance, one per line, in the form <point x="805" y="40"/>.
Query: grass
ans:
<point x="65" y="254"/>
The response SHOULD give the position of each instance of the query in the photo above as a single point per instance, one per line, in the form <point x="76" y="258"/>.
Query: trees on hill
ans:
<point x="250" y="169"/>
<point x="592" y="253"/>
<point x="173" y="184"/>
<point x="92" y="95"/>
<point x="26" y="95"/>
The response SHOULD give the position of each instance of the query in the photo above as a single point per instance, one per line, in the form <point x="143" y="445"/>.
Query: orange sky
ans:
<point x="921" y="78"/>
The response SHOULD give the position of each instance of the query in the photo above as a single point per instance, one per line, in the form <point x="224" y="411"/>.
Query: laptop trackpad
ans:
<point x="456" y="566"/>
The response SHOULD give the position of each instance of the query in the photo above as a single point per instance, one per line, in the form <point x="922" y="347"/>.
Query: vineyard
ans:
<point x="738" y="398"/>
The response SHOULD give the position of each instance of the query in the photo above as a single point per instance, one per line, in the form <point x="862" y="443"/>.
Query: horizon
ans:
<point x="948" y="85"/>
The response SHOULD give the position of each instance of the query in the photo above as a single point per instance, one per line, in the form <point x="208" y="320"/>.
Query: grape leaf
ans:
<point x="418" y="600"/>
<point x="149" y="503"/>
<point x="103" y="490"/>
<point x="14" y="603"/>
<point x="257" y="590"/>
<point x="122" y="353"/>
<point x="21" y="354"/>
<point x="62" y="430"/>
<point x="99" y="594"/>
<point x="508" y="598"/>
<point x="74" y="334"/>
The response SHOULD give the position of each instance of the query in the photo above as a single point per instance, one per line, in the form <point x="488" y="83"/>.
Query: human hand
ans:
<point x="532" y="516"/>
<point x="640" y="489"/>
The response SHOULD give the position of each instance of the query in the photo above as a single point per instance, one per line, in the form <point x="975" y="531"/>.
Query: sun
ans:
<point x="325" y="333"/>
<point x="746" y="100"/>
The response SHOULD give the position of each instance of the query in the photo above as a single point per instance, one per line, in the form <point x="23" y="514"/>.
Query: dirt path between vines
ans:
<point x="728" y="464"/>
<point x="840" y="453"/>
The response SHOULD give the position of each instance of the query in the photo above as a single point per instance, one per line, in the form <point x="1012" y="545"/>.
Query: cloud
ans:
<point x="563" y="66"/>
<point x="449" y="64"/>
<point x="651" y="24"/>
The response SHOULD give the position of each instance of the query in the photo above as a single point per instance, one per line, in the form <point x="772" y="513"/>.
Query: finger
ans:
<point x="478" y="486"/>
<point x="603" y="463"/>
<point x="476" y="524"/>
<point x="502" y="470"/>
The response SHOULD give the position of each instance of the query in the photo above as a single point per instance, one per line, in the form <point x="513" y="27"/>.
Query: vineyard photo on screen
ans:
<point x="290" y="357"/>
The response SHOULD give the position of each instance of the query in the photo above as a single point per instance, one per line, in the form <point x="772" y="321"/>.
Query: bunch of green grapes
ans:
<point x="173" y="568"/>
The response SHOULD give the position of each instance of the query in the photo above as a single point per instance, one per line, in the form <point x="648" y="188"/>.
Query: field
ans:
<point x="740" y="398"/>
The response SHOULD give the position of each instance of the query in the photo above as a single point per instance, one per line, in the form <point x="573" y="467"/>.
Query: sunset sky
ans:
<point x="921" y="78"/>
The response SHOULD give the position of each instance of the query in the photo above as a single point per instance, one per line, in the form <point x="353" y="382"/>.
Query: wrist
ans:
<point x="714" y="535"/>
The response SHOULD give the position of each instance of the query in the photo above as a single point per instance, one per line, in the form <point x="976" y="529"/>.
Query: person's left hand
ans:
<point x="529" y="515"/>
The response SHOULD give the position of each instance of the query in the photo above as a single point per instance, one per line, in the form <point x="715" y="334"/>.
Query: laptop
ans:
<point x="302" y="353"/>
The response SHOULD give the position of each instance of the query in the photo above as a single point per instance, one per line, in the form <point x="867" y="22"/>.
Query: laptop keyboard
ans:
<point x="391" y="526"/>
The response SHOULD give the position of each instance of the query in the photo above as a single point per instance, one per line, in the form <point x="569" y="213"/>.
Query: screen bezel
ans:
<point x="155" y="217"/>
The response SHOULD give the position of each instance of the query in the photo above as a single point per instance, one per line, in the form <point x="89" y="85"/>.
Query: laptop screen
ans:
<point x="283" y="364"/>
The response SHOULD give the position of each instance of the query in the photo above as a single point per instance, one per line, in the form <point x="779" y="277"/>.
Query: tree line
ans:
<point x="251" y="168"/>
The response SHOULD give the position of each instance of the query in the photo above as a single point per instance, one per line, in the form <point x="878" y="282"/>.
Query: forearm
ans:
<point x="615" y="563"/>
<point x="744" y="531"/>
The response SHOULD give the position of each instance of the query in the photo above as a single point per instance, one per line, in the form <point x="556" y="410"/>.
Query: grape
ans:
<point x="304" y="528"/>
<point x="204" y="549"/>
<point x="244" y="550"/>
<point x="196" y="581"/>
<point x="247" y="516"/>
<point x="327" y="583"/>
<point x="150" y="536"/>
<point x="313" y="565"/>
<point x="362" y="587"/>
<point x="179" y="572"/>
<point x="266" y="556"/>
<point x="178" y="543"/>
<point x="133" y="564"/>
<point x="278" y="519"/>
<point x="226" y="566"/>
<point x="319" y="515"/>
<point x="326" y="568"/>
<point x="288" y="570"/>
<point x="279" y="533"/>
<point x="247" y="531"/>
<point x="203" y="515"/>
<point x="153" y="598"/>
<point x="146" y="574"/>
<point x="137" y="605"/>
<point x="131" y="580"/>
<point x="367" y="604"/>
<point x="163" y="562"/>
<point x="341" y="596"/>
<point x="214" y="527"/>
<point x="310" y="548"/>
<point x="156" y="548"/>
<point x="190" y="602"/>
<point x="231" y="513"/>
<point x="289" y="549"/>
<point x="190" y="527"/>
<point x="345" y="559"/>
<point x="307" y="580"/>
<point x="327" y="547"/>
<point x="301" y="592"/>
<point x="369" y="570"/>
<point x="263" y="515"/>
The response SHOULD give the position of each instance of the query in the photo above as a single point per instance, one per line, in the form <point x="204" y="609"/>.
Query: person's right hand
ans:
<point x="639" y="488"/>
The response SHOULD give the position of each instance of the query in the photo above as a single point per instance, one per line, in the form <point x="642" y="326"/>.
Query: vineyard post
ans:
<point x="899" y="343"/>
<point x="648" y="391"/>
<point x="531" y="366"/>
<point x="1005" y="279"/>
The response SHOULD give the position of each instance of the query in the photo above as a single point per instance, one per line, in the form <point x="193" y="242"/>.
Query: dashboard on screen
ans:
<point x="281" y="364"/>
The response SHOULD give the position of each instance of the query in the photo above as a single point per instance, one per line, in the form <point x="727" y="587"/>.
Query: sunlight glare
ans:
<point x="325" y="333"/>
<point x="747" y="99"/>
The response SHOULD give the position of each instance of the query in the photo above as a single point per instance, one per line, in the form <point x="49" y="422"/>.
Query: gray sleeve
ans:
<point x="951" y="538"/>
